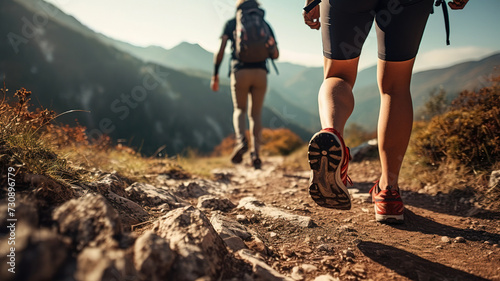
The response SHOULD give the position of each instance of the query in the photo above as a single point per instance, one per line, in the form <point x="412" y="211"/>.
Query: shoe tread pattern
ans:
<point x="323" y="188"/>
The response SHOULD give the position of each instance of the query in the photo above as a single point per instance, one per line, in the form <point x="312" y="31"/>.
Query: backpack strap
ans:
<point x="446" y="19"/>
<point x="274" y="65"/>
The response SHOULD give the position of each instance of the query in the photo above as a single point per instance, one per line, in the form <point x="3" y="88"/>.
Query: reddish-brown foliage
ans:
<point x="273" y="142"/>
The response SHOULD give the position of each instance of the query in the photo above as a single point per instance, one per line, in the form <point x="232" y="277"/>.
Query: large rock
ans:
<point x="153" y="257"/>
<point x="99" y="264"/>
<point x="149" y="195"/>
<point x="192" y="189"/>
<point x="130" y="212"/>
<point x="48" y="190"/>
<point x="38" y="254"/>
<point x="26" y="213"/>
<point x="365" y="150"/>
<point x="253" y="204"/>
<point x="209" y="202"/>
<point x="494" y="179"/>
<point x="111" y="182"/>
<point x="232" y="232"/>
<point x="88" y="221"/>
<point x="326" y="277"/>
<point x="201" y="251"/>
<point x="261" y="271"/>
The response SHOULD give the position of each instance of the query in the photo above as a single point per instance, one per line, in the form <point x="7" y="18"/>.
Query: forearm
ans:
<point x="217" y="62"/>
<point x="220" y="54"/>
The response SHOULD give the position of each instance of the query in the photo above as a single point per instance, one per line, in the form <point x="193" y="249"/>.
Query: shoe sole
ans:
<point x="238" y="156"/>
<point x="326" y="188"/>
<point x="391" y="219"/>
<point x="257" y="165"/>
<point x="385" y="218"/>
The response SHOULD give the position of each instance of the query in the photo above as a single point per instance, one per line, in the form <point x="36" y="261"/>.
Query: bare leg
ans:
<point x="327" y="153"/>
<point x="335" y="98"/>
<point x="395" y="119"/>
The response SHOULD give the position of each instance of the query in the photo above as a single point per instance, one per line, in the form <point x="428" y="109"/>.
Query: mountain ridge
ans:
<point x="298" y="85"/>
<point x="292" y="94"/>
<point x="148" y="105"/>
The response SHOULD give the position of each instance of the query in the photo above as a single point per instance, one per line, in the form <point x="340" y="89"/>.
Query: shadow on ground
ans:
<point x="417" y="223"/>
<point x="445" y="204"/>
<point x="410" y="265"/>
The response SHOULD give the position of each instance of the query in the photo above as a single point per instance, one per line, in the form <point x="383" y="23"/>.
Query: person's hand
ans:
<point x="458" y="4"/>
<point x="214" y="83"/>
<point x="312" y="18"/>
<point x="272" y="47"/>
<point x="271" y="42"/>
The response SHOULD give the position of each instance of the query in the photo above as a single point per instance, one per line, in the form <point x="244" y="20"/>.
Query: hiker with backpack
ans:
<point x="252" y="43"/>
<point x="345" y="25"/>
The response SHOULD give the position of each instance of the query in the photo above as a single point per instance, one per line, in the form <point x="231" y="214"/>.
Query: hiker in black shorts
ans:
<point x="247" y="78"/>
<point x="345" y="25"/>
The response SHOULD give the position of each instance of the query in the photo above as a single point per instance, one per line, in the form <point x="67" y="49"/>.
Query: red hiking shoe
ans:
<point x="388" y="206"/>
<point x="329" y="158"/>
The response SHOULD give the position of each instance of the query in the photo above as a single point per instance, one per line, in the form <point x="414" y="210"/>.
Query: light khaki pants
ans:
<point x="248" y="89"/>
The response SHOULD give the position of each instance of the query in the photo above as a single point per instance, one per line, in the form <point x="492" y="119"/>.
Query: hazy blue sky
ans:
<point x="475" y="31"/>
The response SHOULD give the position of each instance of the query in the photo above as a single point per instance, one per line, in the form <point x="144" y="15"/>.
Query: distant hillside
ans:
<point x="464" y="76"/>
<point x="148" y="105"/>
<point x="184" y="56"/>
<point x="296" y="86"/>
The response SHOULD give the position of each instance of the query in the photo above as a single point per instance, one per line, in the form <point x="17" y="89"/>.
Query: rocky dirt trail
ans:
<point x="436" y="242"/>
<point x="246" y="225"/>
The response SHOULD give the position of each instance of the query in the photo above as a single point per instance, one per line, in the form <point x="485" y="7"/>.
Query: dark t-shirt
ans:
<point x="236" y="65"/>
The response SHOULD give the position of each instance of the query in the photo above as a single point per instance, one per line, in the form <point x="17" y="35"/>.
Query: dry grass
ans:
<point x="297" y="160"/>
<point x="202" y="166"/>
<point x="121" y="159"/>
<point x="30" y="141"/>
<point x="21" y="144"/>
<point x="456" y="151"/>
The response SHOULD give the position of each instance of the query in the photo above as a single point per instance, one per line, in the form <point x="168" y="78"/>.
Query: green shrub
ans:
<point x="435" y="105"/>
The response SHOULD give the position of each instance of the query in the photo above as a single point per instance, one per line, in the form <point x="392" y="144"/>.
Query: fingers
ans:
<point x="271" y="42"/>
<point x="214" y="83"/>
<point x="215" y="87"/>
<point x="312" y="18"/>
<point x="313" y="23"/>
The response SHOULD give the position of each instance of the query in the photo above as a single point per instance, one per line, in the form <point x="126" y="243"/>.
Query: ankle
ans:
<point x="334" y="131"/>
<point x="384" y="185"/>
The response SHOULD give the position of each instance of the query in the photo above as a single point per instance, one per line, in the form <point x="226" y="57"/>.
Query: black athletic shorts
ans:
<point x="399" y="24"/>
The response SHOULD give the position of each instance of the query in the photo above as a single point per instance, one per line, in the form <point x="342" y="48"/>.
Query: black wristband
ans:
<point x="216" y="69"/>
<point x="311" y="5"/>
